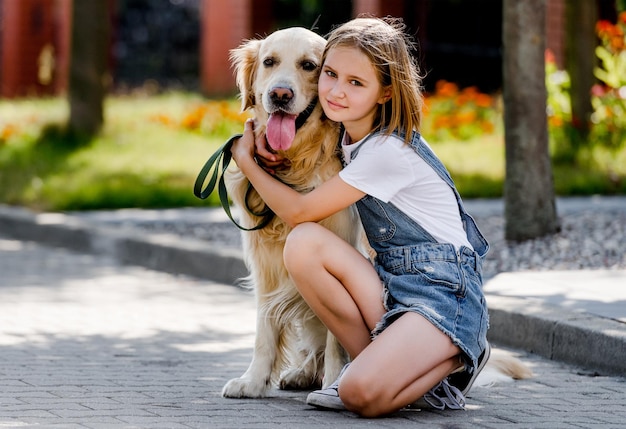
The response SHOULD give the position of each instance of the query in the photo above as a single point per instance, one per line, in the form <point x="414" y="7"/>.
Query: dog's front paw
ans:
<point x="244" y="387"/>
<point x="297" y="379"/>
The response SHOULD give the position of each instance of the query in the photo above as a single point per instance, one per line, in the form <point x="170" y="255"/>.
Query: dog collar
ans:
<point x="302" y="117"/>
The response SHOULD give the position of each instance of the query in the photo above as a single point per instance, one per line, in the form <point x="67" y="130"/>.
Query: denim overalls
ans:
<point x="421" y="275"/>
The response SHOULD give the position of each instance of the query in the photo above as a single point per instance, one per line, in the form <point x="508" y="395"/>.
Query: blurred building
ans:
<point x="34" y="44"/>
<point x="185" y="43"/>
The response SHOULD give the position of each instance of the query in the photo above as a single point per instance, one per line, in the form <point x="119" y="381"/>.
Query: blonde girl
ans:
<point x="414" y="323"/>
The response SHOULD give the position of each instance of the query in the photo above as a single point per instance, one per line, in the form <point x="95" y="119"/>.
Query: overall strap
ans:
<point x="420" y="147"/>
<point x="475" y="237"/>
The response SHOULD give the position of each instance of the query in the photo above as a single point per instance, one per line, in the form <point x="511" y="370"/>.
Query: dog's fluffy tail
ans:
<point x="502" y="367"/>
<point x="511" y="366"/>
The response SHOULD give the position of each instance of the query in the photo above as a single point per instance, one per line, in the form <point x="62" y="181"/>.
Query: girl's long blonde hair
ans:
<point x="388" y="46"/>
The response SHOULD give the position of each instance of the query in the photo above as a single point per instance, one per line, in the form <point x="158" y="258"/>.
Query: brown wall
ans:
<point x="30" y="30"/>
<point x="224" y="26"/>
<point x="555" y="27"/>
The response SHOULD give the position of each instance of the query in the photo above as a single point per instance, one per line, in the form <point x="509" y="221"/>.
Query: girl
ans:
<point x="418" y="314"/>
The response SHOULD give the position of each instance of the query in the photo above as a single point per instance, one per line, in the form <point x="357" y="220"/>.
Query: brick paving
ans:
<point x="86" y="342"/>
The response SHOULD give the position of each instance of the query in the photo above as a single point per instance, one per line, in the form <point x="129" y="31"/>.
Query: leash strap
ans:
<point x="218" y="163"/>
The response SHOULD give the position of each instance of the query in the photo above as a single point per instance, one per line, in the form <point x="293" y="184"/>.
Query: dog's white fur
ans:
<point x="292" y="347"/>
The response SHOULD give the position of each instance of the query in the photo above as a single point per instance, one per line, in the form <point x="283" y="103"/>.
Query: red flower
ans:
<point x="604" y="28"/>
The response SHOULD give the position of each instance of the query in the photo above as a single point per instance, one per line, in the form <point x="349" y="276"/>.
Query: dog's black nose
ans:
<point x="281" y="95"/>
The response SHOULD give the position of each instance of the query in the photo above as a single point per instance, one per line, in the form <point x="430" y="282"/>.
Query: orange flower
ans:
<point x="555" y="121"/>
<point x="441" y="121"/>
<point x="483" y="100"/>
<point x="164" y="119"/>
<point x="193" y="119"/>
<point x="617" y="43"/>
<point x="487" y="127"/>
<point x="471" y="91"/>
<point x="467" y="95"/>
<point x="8" y="131"/>
<point x="446" y="89"/>
<point x="463" y="118"/>
<point x="460" y="100"/>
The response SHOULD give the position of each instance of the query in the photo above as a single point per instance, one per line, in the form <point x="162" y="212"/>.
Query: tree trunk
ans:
<point x="88" y="65"/>
<point x="581" y="41"/>
<point x="530" y="209"/>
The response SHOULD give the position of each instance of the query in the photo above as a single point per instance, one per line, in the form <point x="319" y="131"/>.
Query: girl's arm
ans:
<point x="291" y="206"/>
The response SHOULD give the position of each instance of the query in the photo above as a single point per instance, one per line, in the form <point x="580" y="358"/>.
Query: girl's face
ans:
<point x="349" y="90"/>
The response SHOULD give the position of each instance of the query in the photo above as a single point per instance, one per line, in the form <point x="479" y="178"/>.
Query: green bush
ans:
<point x="148" y="154"/>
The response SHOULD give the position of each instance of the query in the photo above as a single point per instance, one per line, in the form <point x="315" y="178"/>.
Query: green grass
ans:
<point x="151" y="150"/>
<point x="478" y="169"/>
<point x="142" y="158"/>
<point x="477" y="166"/>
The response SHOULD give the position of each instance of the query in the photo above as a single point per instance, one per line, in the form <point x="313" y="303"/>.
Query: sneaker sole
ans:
<point x="325" y="401"/>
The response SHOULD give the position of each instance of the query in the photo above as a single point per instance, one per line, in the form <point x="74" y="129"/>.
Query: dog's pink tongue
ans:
<point x="281" y="130"/>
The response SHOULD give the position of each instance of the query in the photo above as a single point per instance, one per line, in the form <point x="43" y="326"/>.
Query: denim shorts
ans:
<point x="442" y="285"/>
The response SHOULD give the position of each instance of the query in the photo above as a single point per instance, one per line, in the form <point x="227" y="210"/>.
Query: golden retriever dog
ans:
<point x="277" y="79"/>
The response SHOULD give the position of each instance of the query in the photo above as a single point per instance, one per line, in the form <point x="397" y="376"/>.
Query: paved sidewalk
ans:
<point x="576" y="317"/>
<point x="87" y="342"/>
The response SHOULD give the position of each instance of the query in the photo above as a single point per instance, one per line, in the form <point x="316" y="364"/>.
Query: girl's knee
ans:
<point x="361" y="396"/>
<point x="299" y="244"/>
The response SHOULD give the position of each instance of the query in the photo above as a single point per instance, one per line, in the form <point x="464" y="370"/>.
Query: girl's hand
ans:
<point x="243" y="147"/>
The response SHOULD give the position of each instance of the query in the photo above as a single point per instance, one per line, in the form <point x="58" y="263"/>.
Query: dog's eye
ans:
<point x="309" y="65"/>
<point x="268" y="62"/>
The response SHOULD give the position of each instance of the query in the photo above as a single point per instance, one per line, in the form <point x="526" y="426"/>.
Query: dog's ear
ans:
<point x="244" y="60"/>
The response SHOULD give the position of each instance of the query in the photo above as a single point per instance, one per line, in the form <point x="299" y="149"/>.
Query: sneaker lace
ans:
<point x="445" y="395"/>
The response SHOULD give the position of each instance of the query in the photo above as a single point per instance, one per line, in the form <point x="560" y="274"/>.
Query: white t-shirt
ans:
<point x="390" y="170"/>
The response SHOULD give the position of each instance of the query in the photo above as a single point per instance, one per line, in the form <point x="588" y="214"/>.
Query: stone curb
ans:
<point x="161" y="252"/>
<point x="558" y="334"/>
<point x="562" y="335"/>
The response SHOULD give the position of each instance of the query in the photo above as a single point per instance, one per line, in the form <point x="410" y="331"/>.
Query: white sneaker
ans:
<point x="328" y="398"/>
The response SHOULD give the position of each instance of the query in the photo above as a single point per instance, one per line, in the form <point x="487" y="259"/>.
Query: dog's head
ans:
<point x="277" y="77"/>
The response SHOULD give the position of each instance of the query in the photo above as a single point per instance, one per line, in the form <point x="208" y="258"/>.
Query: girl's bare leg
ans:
<point x="337" y="282"/>
<point x="403" y="363"/>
